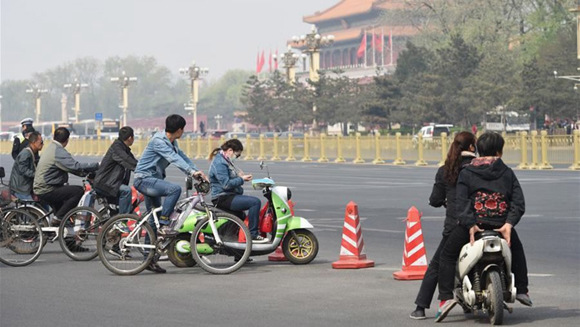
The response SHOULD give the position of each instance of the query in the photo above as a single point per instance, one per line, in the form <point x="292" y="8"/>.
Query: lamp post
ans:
<point x="218" y="120"/>
<point x="76" y="90"/>
<point x="289" y="59"/>
<point x="312" y="43"/>
<point x="0" y="113"/>
<point x="37" y="93"/>
<point x="193" y="73"/>
<point x="123" y="82"/>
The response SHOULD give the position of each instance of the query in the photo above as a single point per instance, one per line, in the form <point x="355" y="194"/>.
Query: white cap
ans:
<point x="26" y="121"/>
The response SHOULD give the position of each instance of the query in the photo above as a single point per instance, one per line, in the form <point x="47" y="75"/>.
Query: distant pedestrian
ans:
<point x="474" y="129"/>
<point x="21" y="141"/>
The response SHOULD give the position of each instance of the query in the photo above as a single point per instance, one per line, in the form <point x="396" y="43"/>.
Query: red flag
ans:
<point x="261" y="62"/>
<point x="276" y="61"/>
<point x="258" y="62"/>
<point x="270" y="62"/>
<point x="378" y="42"/>
<point x="363" y="46"/>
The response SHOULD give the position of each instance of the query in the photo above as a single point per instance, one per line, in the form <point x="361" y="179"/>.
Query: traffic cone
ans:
<point x="352" y="254"/>
<point x="278" y="255"/>
<point x="414" y="254"/>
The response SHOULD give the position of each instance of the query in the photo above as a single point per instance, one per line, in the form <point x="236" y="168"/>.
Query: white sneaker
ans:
<point x="259" y="239"/>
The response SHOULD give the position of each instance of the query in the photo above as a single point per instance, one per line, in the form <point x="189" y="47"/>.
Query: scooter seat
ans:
<point x="486" y="233"/>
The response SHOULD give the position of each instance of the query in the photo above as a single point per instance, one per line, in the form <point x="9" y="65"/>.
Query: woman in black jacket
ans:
<point x="460" y="154"/>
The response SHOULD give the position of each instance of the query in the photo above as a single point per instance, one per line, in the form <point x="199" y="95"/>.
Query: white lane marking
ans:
<point x="540" y="275"/>
<point x="364" y="229"/>
<point x="306" y="210"/>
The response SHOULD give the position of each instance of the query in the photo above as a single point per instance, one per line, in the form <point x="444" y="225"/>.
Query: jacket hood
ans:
<point x="488" y="168"/>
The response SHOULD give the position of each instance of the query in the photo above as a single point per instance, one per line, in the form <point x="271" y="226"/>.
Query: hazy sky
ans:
<point x="219" y="34"/>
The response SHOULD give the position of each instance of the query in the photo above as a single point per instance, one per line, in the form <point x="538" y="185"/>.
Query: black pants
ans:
<point x="430" y="279"/>
<point x="63" y="199"/>
<point x="450" y="252"/>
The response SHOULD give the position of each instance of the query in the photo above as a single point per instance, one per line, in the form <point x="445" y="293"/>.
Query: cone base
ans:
<point x="409" y="274"/>
<point x="277" y="256"/>
<point x="352" y="263"/>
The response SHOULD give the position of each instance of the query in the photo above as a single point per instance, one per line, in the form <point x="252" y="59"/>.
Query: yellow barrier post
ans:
<point x="275" y="157"/>
<point x="576" y="140"/>
<point x="262" y="155"/>
<point x="534" y="164"/>
<point x="306" y="157"/>
<point x="443" y="149"/>
<point x="378" y="160"/>
<point x="524" y="148"/>
<point x="248" y="148"/>
<point x="399" y="159"/>
<point x="209" y="146"/>
<point x="188" y="150"/>
<point x="323" y="157"/>
<point x="339" y="157"/>
<point x="290" y="149"/>
<point x="358" y="158"/>
<point x="420" y="161"/>
<point x="545" y="164"/>
<point x="198" y="150"/>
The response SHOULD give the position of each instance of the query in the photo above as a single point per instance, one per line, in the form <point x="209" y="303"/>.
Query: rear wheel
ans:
<point x="124" y="247"/>
<point x="300" y="246"/>
<point x="78" y="233"/>
<point x="495" y="298"/>
<point x="177" y="258"/>
<point x="228" y="256"/>
<point x="42" y="221"/>
<point x="21" y="238"/>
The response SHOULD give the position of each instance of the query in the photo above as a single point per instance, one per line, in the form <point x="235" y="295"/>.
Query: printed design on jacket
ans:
<point x="490" y="205"/>
<point x="483" y="161"/>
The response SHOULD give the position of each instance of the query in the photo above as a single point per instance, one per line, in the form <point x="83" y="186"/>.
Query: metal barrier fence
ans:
<point x="528" y="150"/>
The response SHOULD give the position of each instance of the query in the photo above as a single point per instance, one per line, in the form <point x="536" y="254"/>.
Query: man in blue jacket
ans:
<point x="161" y="151"/>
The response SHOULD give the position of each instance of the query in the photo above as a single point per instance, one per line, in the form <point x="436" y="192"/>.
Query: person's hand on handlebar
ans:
<point x="246" y="177"/>
<point x="199" y="175"/>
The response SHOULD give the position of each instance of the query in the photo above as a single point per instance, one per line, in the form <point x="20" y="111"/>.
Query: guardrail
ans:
<point x="527" y="150"/>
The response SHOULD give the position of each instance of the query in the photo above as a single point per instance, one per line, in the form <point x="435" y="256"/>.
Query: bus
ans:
<point x="501" y="120"/>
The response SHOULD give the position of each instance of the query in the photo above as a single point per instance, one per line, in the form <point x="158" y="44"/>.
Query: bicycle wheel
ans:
<point x="42" y="221"/>
<point x="77" y="233"/>
<point x="227" y="256"/>
<point x="122" y="245"/>
<point x="21" y="238"/>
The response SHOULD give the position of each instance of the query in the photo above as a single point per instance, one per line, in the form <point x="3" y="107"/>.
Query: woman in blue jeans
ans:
<point x="226" y="185"/>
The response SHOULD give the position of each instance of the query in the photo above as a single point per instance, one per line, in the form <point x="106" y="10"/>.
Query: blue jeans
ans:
<point x="252" y="204"/>
<point x="153" y="189"/>
<point x="125" y="199"/>
<point x="23" y="196"/>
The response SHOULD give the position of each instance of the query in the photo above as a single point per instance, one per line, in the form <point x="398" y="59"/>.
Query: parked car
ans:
<point x="431" y="134"/>
<point x="295" y="134"/>
<point x="270" y="135"/>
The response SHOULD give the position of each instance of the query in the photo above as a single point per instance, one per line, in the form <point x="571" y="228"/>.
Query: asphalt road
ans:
<point x="55" y="291"/>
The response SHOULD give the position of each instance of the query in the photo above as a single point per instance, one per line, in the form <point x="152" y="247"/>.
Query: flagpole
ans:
<point x="391" y="44"/>
<point x="382" y="46"/>
<point x="365" y="48"/>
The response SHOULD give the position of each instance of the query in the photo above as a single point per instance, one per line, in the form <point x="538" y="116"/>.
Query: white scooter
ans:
<point x="484" y="281"/>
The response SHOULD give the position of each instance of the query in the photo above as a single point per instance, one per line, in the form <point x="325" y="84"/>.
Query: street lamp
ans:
<point x="218" y="120"/>
<point x="289" y="59"/>
<point x="313" y="42"/>
<point x="123" y="82"/>
<point x="193" y="73"/>
<point x="0" y="113"/>
<point x="37" y="93"/>
<point x="76" y="90"/>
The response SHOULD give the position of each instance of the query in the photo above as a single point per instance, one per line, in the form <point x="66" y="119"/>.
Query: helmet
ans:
<point x="26" y="121"/>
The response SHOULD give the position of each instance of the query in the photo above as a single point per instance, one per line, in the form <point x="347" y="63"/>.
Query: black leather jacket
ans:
<point x="115" y="169"/>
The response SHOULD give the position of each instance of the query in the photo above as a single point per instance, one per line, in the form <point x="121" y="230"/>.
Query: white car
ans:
<point x="430" y="134"/>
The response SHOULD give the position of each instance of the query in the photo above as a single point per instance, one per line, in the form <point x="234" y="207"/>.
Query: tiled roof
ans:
<point x="347" y="8"/>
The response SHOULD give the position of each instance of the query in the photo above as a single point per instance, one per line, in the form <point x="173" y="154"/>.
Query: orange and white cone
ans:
<point x="414" y="254"/>
<point x="352" y="255"/>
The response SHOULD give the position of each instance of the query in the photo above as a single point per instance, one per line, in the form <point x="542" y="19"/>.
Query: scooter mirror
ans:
<point x="3" y="174"/>
<point x="261" y="165"/>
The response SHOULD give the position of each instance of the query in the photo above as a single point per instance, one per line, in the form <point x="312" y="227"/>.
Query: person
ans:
<point x="485" y="178"/>
<point x="226" y="182"/>
<point x="161" y="151"/>
<point x="474" y="129"/>
<point x="22" y="176"/>
<point x="21" y="141"/>
<point x="52" y="174"/>
<point x="461" y="152"/>
<point x="112" y="177"/>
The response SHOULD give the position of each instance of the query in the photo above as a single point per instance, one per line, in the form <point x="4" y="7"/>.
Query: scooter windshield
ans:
<point x="261" y="183"/>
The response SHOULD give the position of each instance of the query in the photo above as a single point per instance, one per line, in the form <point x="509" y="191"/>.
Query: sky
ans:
<point x="36" y="35"/>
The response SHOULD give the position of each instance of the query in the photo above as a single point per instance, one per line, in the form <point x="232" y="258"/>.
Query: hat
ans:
<point x="26" y="121"/>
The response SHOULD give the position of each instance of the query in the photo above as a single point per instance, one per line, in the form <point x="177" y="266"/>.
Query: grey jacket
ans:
<point x="22" y="175"/>
<point x="53" y="168"/>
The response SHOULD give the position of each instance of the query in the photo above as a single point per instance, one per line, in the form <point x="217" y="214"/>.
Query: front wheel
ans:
<point x="21" y="238"/>
<point x="495" y="298"/>
<point x="78" y="233"/>
<point x="124" y="247"/>
<point x="227" y="256"/>
<point x="300" y="246"/>
<point x="177" y="258"/>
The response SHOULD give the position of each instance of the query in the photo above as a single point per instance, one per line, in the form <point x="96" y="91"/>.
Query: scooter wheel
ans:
<point x="178" y="259"/>
<point x="300" y="246"/>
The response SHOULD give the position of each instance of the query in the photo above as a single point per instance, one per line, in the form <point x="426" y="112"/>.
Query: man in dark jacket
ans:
<point x="112" y="178"/>
<point x="24" y="167"/>
<point x="488" y="196"/>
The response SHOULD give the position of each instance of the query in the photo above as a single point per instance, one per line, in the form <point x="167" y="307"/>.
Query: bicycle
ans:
<point x="222" y="240"/>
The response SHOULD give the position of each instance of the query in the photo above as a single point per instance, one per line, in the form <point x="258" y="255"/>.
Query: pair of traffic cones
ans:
<point x="352" y="255"/>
